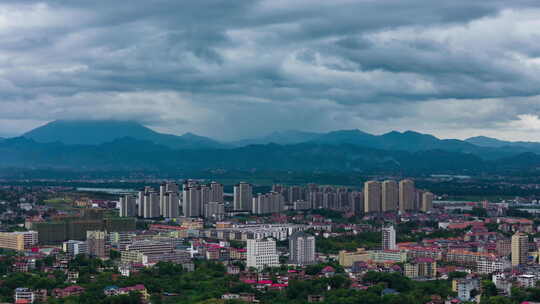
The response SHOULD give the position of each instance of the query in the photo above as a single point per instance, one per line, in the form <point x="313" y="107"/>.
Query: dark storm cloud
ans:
<point x="243" y="68"/>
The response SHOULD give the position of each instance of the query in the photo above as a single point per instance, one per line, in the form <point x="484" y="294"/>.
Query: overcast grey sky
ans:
<point x="234" y="69"/>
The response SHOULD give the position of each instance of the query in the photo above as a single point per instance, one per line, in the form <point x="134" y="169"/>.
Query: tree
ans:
<point x="489" y="289"/>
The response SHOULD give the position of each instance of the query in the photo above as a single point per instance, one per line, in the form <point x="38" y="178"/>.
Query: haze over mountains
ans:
<point x="96" y="132"/>
<point x="103" y="145"/>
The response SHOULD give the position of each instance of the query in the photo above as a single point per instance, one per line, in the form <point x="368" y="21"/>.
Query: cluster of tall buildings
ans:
<point x="195" y="200"/>
<point x="271" y="202"/>
<point x="151" y="204"/>
<point x="377" y="196"/>
<point x="207" y="200"/>
<point x="390" y="195"/>
<point x="200" y="200"/>
<point x="244" y="200"/>
<point x="313" y="196"/>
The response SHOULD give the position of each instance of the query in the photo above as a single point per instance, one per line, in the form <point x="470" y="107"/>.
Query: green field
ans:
<point x="60" y="203"/>
<point x="58" y="200"/>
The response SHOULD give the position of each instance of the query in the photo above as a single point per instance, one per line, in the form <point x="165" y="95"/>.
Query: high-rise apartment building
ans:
<point x="372" y="196"/>
<point x="206" y="194"/>
<point x="407" y="196"/>
<point x="216" y="192"/>
<point x="520" y="248"/>
<point x="96" y="242"/>
<point x="171" y="205"/>
<point x="316" y="199"/>
<point x="192" y="201"/>
<point x="427" y="201"/>
<point x="172" y="187"/>
<point x="262" y="253"/>
<point x="162" y="191"/>
<point x="296" y="193"/>
<point x="389" y="195"/>
<point x="271" y="202"/>
<point x="140" y="204"/>
<point x="284" y="190"/>
<point x="128" y="206"/>
<point x="329" y="200"/>
<point x="389" y="238"/>
<point x="302" y="248"/>
<point x="214" y="211"/>
<point x="151" y="208"/>
<point x="145" y="204"/>
<point x="243" y="197"/>
<point x="357" y="201"/>
<point x="342" y="198"/>
<point x="20" y="240"/>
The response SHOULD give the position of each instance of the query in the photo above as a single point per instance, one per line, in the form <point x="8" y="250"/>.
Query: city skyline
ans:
<point x="270" y="151"/>
<point x="262" y="66"/>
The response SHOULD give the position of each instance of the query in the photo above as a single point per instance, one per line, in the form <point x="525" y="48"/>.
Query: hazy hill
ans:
<point x="133" y="154"/>
<point x="484" y="141"/>
<point x="95" y="132"/>
<point x="404" y="141"/>
<point x="281" y="137"/>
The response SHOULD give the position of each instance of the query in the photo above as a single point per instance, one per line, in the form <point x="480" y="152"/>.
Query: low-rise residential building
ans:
<point x="465" y="288"/>
<point x="73" y="247"/>
<point x="347" y="258"/>
<point x="421" y="268"/>
<point x="73" y="290"/>
<point x="487" y="266"/>
<point x="19" y="240"/>
<point x="115" y="291"/>
<point x="24" y="295"/>
<point x="526" y="280"/>
<point x="382" y="256"/>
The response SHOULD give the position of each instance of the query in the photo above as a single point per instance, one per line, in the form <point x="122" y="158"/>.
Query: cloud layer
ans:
<point x="232" y="69"/>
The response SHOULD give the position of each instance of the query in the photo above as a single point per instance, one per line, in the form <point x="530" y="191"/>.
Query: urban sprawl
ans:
<point x="190" y="242"/>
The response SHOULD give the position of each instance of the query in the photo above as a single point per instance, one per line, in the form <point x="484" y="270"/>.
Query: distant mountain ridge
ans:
<point x="96" y="132"/>
<point x="405" y="141"/>
<point x="279" y="137"/>
<point x="132" y="154"/>
<point x="485" y="141"/>
<point x="104" y="133"/>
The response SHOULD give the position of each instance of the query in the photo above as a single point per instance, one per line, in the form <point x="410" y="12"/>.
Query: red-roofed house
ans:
<point x="73" y="290"/>
<point x="328" y="271"/>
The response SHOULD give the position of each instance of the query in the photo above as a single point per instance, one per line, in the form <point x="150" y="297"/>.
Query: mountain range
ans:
<point x="96" y="132"/>
<point x="112" y="145"/>
<point x="484" y="141"/>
